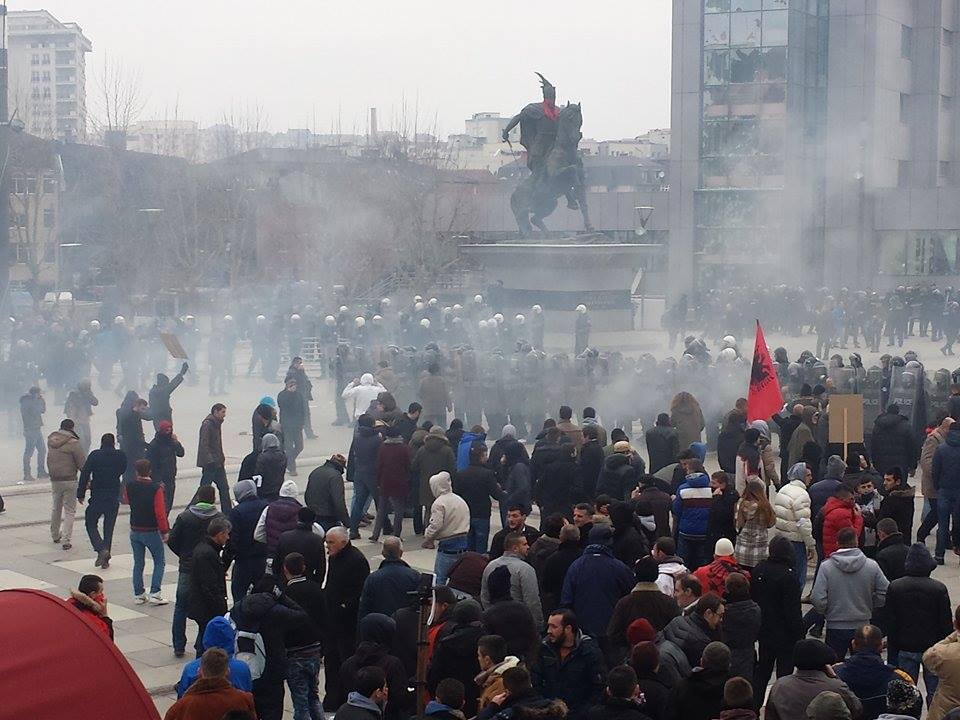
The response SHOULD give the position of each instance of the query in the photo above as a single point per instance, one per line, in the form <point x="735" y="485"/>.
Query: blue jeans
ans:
<point x="691" y="549"/>
<point x="107" y="509"/>
<point x="33" y="440"/>
<point x="946" y="506"/>
<point x="303" y="680"/>
<point x="140" y="542"/>
<point x="361" y="499"/>
<point x="800" y="563"/>
<point x="479" y="534"/>
<point x="912" y="662"/>
<point x="448" y="552"/>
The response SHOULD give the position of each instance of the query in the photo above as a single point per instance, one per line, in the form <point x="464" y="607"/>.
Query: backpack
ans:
<point x="250" y="649"/>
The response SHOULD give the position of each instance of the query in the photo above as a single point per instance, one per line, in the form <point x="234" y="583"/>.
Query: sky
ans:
<point x="320" y="65"/>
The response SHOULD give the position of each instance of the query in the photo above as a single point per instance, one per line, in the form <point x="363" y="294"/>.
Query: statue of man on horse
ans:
<point x="551" y="136"/>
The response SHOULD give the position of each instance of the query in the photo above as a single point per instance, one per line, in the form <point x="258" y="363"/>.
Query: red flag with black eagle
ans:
<point x="764" y="398"/>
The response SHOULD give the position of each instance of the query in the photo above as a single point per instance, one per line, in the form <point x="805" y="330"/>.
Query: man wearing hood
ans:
<point x="917" y="615"/>
<point x="162" y="452"/>
<point x="160" y="396"/>
<point x="264" y="421"/>
<point x="594" y="584"/>
<point x="271" y="613"/>
<point x="103" y="470"/>
<point x="293" y="417"/>
<point x="448" y="527"/>
<point x="377" y="633"/>
<point x="79" y="408"/>
<point x="821" y="491"/>
<point x="325" y="493"/>
<point x="588" y="418"/>
<point x="893" y="443"/>
<point x="360" y="393"/>
<point x="278" y="517"/>
<point x="362" y="470"/>
<point x="271" y="466"/>
<point x="786" y="426"/>
<point x="792" y="695"/>
<point x="691" y="507"/>
<point x="187" y="532"/>
<point x="249" y="556"/>
<point x="946" y="481"/>
<point x="219" y="633"/>
<point x="847" y="591"/>
<point x="65" y="459"/>
<point x="370" y="697"/>
<point x="130" y="416"/>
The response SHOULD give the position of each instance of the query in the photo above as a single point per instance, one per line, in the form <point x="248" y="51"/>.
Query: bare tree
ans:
<point x="119" y="98"/>
<point x="33" y="213"/>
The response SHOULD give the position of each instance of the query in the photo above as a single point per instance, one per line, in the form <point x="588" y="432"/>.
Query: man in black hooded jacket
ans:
<point x="160" y="396"/>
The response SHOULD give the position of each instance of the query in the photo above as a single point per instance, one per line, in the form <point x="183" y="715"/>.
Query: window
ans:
<point x="774" y="4"/>
<point x="35" y="59"/>
<point x="904" y="108"/>
<point x="35" y="76"/>
<point x="742" y="5"/>
<point x="744" y="65"/>
<point x="48" y="218"/>
<point x="774" y="64"/>
<point x="31" y="186"/>
<point x="903" y="173"/>
<point x="46" y="59"/>
<point x="46" y="76"/>
<point x="775" y="28"/>
<point x="715" y="6"/>
<point x="49" y="185"/>
<point x="745" y="29"/>
<point x="716" y="30"/>
<point x="906" y="42"/>
<point x="716" y="67"/>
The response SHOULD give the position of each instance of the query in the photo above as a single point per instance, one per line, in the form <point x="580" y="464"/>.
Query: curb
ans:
<point x="161" y="690"/>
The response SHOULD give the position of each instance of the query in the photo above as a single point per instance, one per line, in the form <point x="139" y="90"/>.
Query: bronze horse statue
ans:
<point x="561" y="174"/>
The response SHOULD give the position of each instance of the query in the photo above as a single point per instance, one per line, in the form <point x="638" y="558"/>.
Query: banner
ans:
<point x="764" y="398"/>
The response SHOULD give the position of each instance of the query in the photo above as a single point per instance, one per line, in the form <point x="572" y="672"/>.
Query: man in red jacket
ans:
<point x="840" y="512"/>
<point x="393" y="481"/>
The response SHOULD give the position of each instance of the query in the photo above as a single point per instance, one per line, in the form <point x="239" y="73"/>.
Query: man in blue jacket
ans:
<point x="594" y="584"/>
<point x="219" y="633"/>
<point x="946" y="481"/>
<point x="388" y="589"/>
<point x="865" y="672"/>
<point x="249" y="556"/>
<point x="691" y="507"/>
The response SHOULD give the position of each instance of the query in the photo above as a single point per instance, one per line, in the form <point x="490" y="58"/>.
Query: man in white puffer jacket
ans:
<point x="792" y="506"/>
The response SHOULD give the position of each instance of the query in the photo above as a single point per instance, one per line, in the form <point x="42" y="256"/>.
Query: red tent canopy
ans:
<point x="55" y="663"/>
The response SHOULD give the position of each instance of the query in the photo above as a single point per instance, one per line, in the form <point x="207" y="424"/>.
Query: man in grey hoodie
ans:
<point x="848" y="588"/>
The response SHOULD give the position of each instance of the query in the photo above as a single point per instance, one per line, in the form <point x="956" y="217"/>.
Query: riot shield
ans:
<point x="872" y="398"/>
<point x="843" y="380"/>
<point x="905" y="390"/>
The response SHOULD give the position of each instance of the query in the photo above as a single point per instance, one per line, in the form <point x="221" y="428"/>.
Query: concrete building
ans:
<point x="814" y="143"/>
<point x="47" y="66"/>
<point x="176" y="138"/>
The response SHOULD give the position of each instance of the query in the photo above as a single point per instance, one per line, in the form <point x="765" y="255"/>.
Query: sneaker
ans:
<point x="139" y="599"/>
<point x="43" y="476"/>
<point x="56" y="540"/>
<point x="157" y="599"/>
<point x="939" y="560"/>
<point x="179" y="653"/>
<point x="67" y="546"/>
<point x="106" y="560"/>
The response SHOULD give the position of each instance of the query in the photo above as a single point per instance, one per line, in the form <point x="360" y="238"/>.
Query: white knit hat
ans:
<point x="723" y="547"/>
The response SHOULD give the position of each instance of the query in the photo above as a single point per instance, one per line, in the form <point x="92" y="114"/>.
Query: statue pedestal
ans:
<point x="561" y="274"/>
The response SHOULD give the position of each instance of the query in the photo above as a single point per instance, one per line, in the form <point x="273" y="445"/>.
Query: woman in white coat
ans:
<point x="792" y="506"/>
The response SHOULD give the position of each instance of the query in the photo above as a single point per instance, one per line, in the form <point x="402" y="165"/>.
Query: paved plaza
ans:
<point x="29" y="559"/>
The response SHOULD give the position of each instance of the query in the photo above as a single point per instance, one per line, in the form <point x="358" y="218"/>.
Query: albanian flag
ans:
<point x="764" y="398"/>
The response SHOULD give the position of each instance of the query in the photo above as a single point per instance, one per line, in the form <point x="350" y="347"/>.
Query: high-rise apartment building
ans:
<point x="48" y="74"/>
